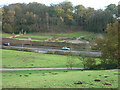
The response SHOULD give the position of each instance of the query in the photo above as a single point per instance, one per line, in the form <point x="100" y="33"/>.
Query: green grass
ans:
<point x="6" y="35"/>
<point x="87" y="35"/>
<point x="36" y="36"/>
<point x="11" y="58"/>
<point x="68" y="35"/>
<point x="27" y="39"/>
<point x="74" y="34"/>
<point x="46" y="79"/>
<point x="21" y="59"/>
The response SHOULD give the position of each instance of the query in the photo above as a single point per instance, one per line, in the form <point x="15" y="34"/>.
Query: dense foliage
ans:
<point x="109" y="45"/>
<point x="36" y="17"/>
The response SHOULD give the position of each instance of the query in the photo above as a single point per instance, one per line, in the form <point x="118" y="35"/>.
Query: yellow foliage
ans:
<point x="25" y="20"/>
<point x="61" y="19"/>
<point x="70" y="17"/>
<point x="27" y="13"/>
<point x="34" y="15"/>
<point x="69" y="11"/>
<point x="24" y="32"/>
<point x="59" y="11"/>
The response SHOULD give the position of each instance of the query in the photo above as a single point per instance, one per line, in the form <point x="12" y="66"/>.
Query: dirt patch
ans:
<point x="32" y="65"/>
<point x="65" y="71"/>
<point x="79" y="82"/>
<point x="26" y="75"/>
<point x="106" y="76"/>
<point x="107" y="84"/>
<point x="54" y="73"/>
<point x="97" y="80"/>
<point x="112" y="81"/>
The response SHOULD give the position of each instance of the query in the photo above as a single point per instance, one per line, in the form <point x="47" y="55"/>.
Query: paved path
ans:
<point x="46" y="49"/>
<point x="15" y="36"/>
<point x="22" y="69"/>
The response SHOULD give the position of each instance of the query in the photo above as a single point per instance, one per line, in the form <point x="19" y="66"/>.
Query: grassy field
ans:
<point x="60" y="79"/>
<point x="5" y="35"/>
<point x="21" y="59"/>
<point x="52" y="78"/>
<point x="27" y="39"/>
<point x="45" y="36"/>
<point x="36" y="36"/>
<point x="87" y="35"/>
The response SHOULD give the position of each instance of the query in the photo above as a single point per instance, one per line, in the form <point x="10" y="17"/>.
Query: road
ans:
<point x="43" y="49"/>
<point x="22" y="69"/>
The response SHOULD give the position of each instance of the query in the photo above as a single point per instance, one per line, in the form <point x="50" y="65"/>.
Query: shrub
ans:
<point x="82" y="37"/>
<point x="90" y="63"/>
<point x="56" y="40"/>
<point x="74" y="38"/>
<point x="106" y="66"/>
<point x="70" y="60"/>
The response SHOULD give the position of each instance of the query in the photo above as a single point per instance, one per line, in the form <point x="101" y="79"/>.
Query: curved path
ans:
<point x="15" y="36"/>
<point x="22" y="69"/>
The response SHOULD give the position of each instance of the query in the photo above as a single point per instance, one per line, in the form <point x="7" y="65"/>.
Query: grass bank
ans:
<point x="60" y="79"/>
<point x="21" y="59"/>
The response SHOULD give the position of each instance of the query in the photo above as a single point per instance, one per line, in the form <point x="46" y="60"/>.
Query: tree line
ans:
<point x="62" y="17"/>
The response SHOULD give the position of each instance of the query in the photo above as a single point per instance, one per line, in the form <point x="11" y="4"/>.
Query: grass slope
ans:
<point x="15" y="59"/>
<point x="87" y="35"/>
<point x="21" y="59"/>
<point x="6" y="35"/>
<point x="60" y="79"/>
<point x="27" y="39"/>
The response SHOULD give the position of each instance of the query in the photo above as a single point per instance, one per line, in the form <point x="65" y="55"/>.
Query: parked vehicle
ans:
<point x="6" y="44"/>
<point x="65" y="48"/>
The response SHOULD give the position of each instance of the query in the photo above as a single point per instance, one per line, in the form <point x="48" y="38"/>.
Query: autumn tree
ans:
<point x="37" y="17"/>
<point x="109" y="45"/>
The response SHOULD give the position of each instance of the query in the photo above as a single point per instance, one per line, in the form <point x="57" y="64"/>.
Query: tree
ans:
<point x="83" y="60"/>
<point x="112" y="8"/>
<point x="8" y="28"/>
<point x="109" y="45"/>
<point x="68" y="17"/>
<point x="37" y="17"/>
<point x="80" y="12"/>
<point x="70" y="60"/>
<point x="98" y="21"/>
<point x="66" y="5"/>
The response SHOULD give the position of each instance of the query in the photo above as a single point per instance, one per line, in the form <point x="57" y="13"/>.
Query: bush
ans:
<point x="56" y="40"/>
<point x="82" y="37"/>
<point x="106" y="66"/>
<point x="90" y="63"/>
<point x="70" y="62"/>
<point x="74" y="38"/>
